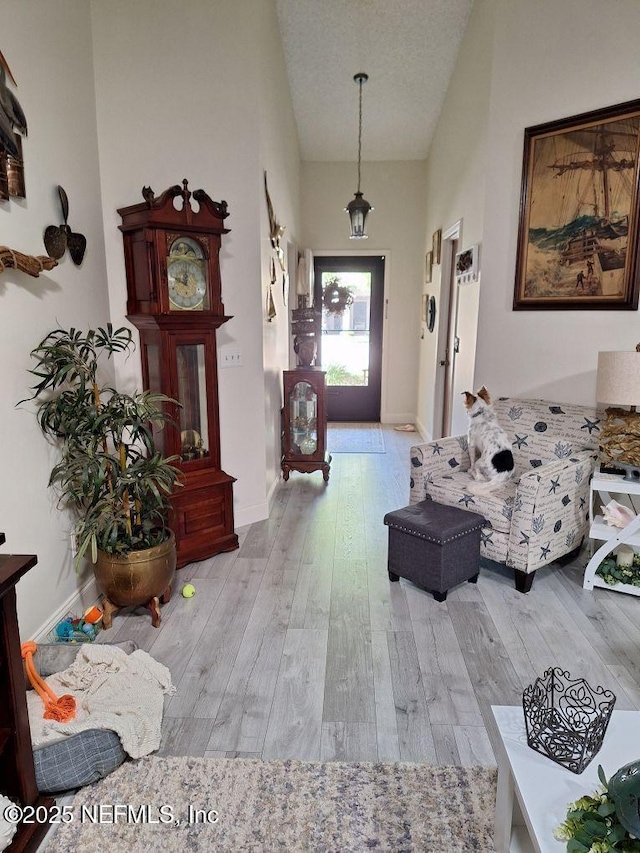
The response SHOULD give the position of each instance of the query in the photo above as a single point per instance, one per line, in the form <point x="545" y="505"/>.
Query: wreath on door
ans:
<point x="336" y="297"/>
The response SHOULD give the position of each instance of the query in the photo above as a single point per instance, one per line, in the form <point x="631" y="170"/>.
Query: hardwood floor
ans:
<point x="297" y="646"/>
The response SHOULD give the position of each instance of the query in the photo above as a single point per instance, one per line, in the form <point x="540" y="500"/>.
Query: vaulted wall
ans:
<point x="118" y="96"/>
<point x="521" y="64"/>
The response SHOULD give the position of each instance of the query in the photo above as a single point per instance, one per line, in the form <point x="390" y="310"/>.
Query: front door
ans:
<point x="350" y="347"/>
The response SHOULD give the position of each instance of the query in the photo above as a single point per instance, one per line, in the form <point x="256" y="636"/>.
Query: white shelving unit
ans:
<point x="607" y="485"/>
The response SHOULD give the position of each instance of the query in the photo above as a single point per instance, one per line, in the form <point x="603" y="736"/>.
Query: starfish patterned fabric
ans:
<point x="542" y="513"/>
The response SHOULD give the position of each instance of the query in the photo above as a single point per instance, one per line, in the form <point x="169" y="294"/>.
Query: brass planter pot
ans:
<point x="140" y="577"/>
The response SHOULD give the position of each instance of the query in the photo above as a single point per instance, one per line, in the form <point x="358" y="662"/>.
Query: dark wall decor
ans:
<point x="13" y="126"/>
<point x="59" y="238"/>
<point x="431" y="313"/>
<point x="579" y="205"/>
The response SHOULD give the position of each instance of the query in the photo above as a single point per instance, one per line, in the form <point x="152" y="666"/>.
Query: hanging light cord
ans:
<point x="360" y="82"/>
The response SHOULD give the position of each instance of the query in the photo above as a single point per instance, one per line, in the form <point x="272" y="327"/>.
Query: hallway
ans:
<point x="297" y="646"/>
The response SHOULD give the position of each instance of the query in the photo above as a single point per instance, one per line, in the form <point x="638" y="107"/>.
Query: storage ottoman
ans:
<point x="433" y="545"/>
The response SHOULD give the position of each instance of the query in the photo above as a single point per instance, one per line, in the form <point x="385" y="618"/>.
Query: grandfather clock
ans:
<point x="174" y="299"/>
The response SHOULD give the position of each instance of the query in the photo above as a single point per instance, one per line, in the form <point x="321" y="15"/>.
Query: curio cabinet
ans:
<point x="304" y="423"/>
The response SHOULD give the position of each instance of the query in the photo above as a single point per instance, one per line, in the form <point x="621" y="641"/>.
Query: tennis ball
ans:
<point x="188" y="590"/>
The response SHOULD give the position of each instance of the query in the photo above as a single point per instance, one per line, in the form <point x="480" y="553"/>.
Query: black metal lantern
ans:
<point x="358" y="208"/>
<point x="566" y="719"/>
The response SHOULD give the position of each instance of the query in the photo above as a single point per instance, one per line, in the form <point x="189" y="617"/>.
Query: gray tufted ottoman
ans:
<point x="433" y="545"/>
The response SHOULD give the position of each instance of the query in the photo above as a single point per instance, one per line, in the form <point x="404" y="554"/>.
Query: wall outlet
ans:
<point x="230" y="357"/>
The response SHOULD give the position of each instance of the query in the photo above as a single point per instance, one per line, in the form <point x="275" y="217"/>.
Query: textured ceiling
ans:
<point x="407" y="47"/>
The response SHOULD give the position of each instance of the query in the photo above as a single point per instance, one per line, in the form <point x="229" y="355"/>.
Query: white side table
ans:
<point x="605" y="485"/>
<point x="534" y="792"/>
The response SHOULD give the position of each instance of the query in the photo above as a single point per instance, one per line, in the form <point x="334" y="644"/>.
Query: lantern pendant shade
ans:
<point x="358" y="208"/>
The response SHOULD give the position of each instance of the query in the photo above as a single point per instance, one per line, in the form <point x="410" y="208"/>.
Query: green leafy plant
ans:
<point x="338" y="374"/>
<point x="611" y="573"/>
<point x="110" y="472"/>
<point x="592" y="825"/>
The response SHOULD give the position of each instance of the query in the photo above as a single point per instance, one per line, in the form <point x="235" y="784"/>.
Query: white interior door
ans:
<point x="448" y="342"/>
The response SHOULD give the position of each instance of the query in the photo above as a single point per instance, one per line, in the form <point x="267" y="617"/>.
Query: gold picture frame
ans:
<point x="437" y="245"/>
<point x="428" y="267"/>
<point x="579" y="206"/>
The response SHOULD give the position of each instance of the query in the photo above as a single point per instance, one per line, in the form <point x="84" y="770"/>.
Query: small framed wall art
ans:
<point x="468" y="265"/>
<point x="428" y="267"/>
<point x="437" y="245"/>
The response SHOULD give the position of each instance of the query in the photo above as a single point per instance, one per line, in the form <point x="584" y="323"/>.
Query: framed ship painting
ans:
<point x="578" y="234"/>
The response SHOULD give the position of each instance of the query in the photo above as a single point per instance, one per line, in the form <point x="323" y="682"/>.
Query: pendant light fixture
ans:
<point x="358" y="208"/>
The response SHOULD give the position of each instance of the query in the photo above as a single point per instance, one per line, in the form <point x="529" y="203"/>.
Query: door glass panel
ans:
<point x="192" y="394"/>
<point x="154" y="384"/>
<point x="345" y="336"/>
<point x="303" y="419"/>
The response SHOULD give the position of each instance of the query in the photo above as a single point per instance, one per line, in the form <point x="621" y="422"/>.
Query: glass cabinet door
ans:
<point x="303" y="419"/>
<point x="192" y="394"/>
<point x="153" y="381"/>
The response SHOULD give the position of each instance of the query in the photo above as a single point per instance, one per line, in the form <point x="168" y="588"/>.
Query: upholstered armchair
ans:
<point x="542" y="513"/>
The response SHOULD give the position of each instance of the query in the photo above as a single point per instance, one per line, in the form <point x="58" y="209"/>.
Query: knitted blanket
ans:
<point x="113" y="690"/>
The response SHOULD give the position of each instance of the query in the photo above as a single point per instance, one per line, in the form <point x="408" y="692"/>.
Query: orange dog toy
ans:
<point x="62" y="709"/>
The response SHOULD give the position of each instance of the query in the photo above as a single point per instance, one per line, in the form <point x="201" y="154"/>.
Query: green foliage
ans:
<point x="338" y="374"/>
<point x="335" y="296"/>
<point x="611" y="573"/>
<point x="592" y="825"/>
<point x="110" y="473"/>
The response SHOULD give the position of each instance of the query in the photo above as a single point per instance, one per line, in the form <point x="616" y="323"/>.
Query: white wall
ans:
<point x="551" y="60"/>
<point x="116" y="97"/>
<point x="186" y="101"/>
<point x="456" y="169"/>
<point x="521" y="64"/>
<point x="396" y="229"/>
<point x="280" y="157"/>
<point x="49" y="53"/>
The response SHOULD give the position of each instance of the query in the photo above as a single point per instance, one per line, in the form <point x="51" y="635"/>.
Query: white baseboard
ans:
<point x="397" y="418"/>
<point x="249" y="514"/>
<point x="272" y="493"/>
<point x="424" y="432"/>
<point x="77" y="603"/>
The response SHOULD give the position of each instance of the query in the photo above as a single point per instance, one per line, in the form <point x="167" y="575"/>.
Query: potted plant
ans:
<point x="110" y="472"/>
<point x="606" y="821"/>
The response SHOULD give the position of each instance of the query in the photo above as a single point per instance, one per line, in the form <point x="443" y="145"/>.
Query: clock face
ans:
<point x="186" y="275"/>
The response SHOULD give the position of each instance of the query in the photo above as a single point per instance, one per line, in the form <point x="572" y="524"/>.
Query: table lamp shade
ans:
<point x="618" y="382"/>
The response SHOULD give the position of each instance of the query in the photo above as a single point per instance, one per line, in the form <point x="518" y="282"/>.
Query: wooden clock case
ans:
<point x="179" y="358"/>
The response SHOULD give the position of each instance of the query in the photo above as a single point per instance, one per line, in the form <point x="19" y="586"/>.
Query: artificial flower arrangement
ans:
<point x="602" y="822"/>
<point x="611" y="569"/>
<point x="612" y="574"/>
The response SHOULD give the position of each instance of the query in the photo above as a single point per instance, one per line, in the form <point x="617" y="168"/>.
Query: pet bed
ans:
<point x="82" y="758"/>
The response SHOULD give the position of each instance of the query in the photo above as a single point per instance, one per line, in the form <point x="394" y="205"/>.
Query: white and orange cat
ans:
<point x="489" y="446"/>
